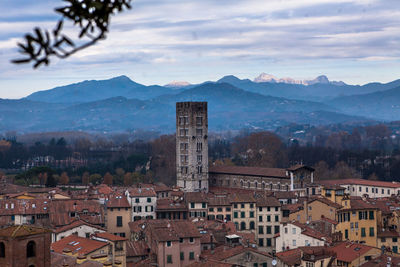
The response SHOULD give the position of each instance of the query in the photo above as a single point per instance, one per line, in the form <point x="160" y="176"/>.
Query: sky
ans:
<point x="159" y="41"/>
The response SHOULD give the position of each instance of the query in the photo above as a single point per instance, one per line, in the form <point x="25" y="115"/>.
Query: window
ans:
<point x="277" y="218"/>
<point x="383" y="239"/>
<point x="346" y="233"/>
<point x="182" y="256"/>
<point x="268" y="218"/>
<point x="242" y="206"/>
<point x="276" y="208"/>
<point x="169" y="258"/>
<point x="168" y="243"/>
<point x="395" y="249"/>
<point x="242" y="214"/>
<point x="260" y="218"/>
<point x="199" y="169"/>
<point x="2" y="250"/>
<point x="276" y="229"/>
<point x="235" y="206"/>
<point x="294" y="231"/>
<point x="31" y="249"/>
<point x="203" y="205"/>
<point x="211" y="209"/>
<point x="119" y="221"/>
<point x="199" y="147"/>
<point x="259" y="208"/>
<point x="191" y="255"/>
<point x="148" y="200"/>
<point x="269" y="229"/>
<point x="261" y="242"/>
<point x="251" y="214"/>
<point x="394" y="239"/>
<point x="180" y="240"/>
<point x="252" y="225"/>
<point x="235" y="214"/>
<point x="136" y="200"/>
<point x="242" y="226"/>
<point x="371" y="231"/>
<point x="192" y="205"/>
<point x="191" y="240"/>
<point x="362" y="232"/>
<point x="294" y="242"/>
<point x="199" y="158"/>
<point x="260" y="230"/>
<point x="371" y="214"/>
<point x="199" y="132"/>
<point x="199" y="121"/>
<point x="251" y="205"/>
<point x="269" y="242"/>
<point x="228" y="209"/>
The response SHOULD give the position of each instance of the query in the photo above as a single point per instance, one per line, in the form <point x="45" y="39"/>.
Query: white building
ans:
<point x="294" y="234"/>
<point x="143" y="202"/>
<point x="361" y="187"/>
<point x="79" y="228"/>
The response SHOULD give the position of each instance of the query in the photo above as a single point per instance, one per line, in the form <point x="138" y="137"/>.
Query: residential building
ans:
<point x="118" y="246"/>
<point x="143" y="202"/>
<point x="78" y="228"/>
<point x="294" y="234"/>
<point x="315" y="209"/>
<point x="197" y="203"/>
<point x="219" y="207"/>
<point x="351" y="254"/>
<point x="358" y="221"/>
<point x="171" y="209"/>
<point x="118" y="215"/>
<point x="244" y="212"/>
<point x="268" y="217"/>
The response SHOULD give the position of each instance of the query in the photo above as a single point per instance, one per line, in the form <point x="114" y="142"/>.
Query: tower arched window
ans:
<point x="255" y="184"/>
<point x="248" y="184"/>
<point x="242" y="226"/>
<point x="31" y="249"/>
<point x="2" y="250"/>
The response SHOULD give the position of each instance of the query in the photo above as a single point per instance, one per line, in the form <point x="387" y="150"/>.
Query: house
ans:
<point x="83" y="248"/>
<point x="294" y="234"/>
<point x="219" y="207"/>
<point x="358" y="221"/>
<point x="238" y="255"/>
<point x="268" y="221"/>
<point x="78" y="228"/>
<point x="314" y="209"/>
<point x="118" y="246"/>
<point x="244" y="211"/>
<point x="197" y="203"/>
<point x="171" y="243"/>
<point x="118" y="215"/>
<point x="306" y="256"/>
<point x="143" y="202"/>
<point x="351" y="254"/>
<point x="171" y="209"/>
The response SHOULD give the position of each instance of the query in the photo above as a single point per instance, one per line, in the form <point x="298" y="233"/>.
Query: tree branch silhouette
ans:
<point x="92" y="17"/>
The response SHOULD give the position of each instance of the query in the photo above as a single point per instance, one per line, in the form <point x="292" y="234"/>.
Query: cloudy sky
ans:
<point x="356" y="41"/>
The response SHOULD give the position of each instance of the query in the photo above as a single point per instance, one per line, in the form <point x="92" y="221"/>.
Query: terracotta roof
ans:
<point x="223" y="252"/>
<point x="285" y="194"/>
<point x="292" y="207"/>
<point x="325" y="201"/>
<point x="308" y="231"/>
<point x="142" y="192"/>
<point x="219" y="201"/>
<point x="24" y="206"/>
<point x="290" y="257"/>
<point x="250" y="171"/>
<point x="382" y="261"/>
<point x="348" y="252"/>
<point x="78" y="245"/>
<point x="169" y="204"/>
<point x="109" y="236"/>
<point x="117" y="201"/>
<point x="243" y="198"/>
<point x="197" y="197"/>
<point x="211" y="263"/>
<point x="361" y="182"/>
<point x="22" y="230"/>
<point x="387" y="233"/>
<point x="104" y="189"/>
<point x="268" y="202"/>
<point x="136" y="248"/>
<point x="300" y="166"/>
<point x="77" y="223"/>
<point x="360" y="204"/>
<point x="169" y="230"/>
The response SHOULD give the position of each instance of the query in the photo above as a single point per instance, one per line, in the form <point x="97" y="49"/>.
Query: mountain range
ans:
<point x="120" y="104"/>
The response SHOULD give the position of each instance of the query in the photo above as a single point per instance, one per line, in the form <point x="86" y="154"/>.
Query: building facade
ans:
<point x="192" y="146"/>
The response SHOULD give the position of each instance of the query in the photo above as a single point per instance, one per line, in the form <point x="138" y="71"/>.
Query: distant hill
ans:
<point x="88" y="91"/>
<point x="230" y="108"/>
<point x="384" y="105"/>
<point x="315" y="91"/>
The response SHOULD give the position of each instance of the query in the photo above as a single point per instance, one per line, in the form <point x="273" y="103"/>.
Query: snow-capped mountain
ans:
<point x="177" y="84"/>
<point x="264" y="77"/>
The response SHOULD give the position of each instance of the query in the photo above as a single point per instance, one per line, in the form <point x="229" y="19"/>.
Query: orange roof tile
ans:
<point x="78" y="245"/>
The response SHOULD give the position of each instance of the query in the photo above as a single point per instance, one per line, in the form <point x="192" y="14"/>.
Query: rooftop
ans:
<point x="77" y="245"/>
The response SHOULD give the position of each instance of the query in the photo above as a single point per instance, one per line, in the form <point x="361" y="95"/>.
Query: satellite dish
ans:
<point x="274" y="262"/>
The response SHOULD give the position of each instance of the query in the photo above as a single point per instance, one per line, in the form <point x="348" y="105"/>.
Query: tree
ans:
<point x="322" y="171"/>
<point x="128" y="179"/>
<point x="91" y="16"/>
<point x="85" y="178"/>
<point x="64" y="179"/>
<point x="108" y="179"/>
<point x="95" y="178"/>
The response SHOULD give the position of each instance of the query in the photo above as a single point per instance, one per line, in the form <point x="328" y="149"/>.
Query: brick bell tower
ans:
<point x="192" y="146"/>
